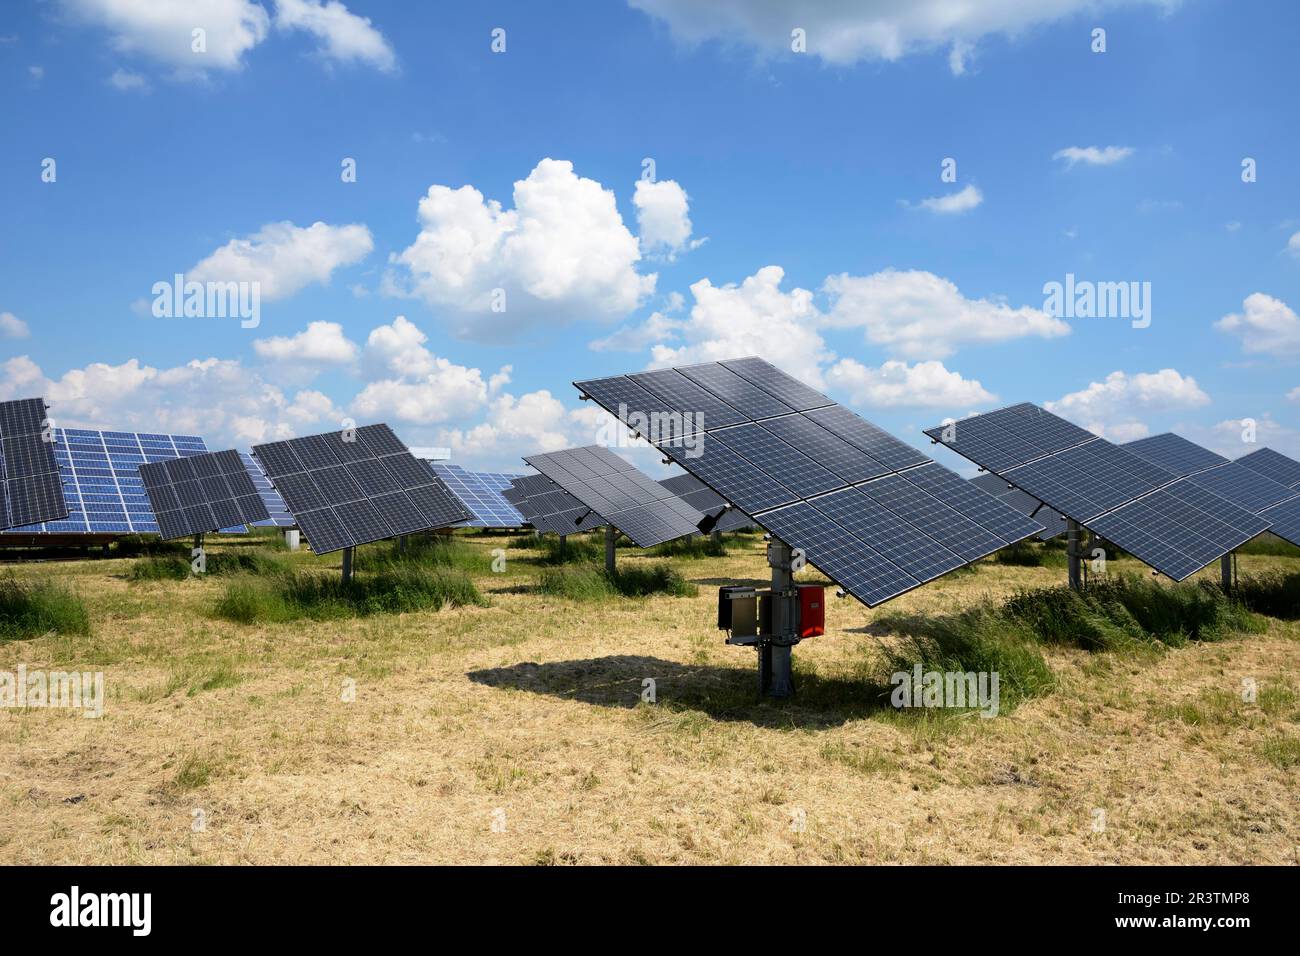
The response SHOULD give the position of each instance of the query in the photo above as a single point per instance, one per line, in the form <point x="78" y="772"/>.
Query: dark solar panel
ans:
<point x="548" y="508"/>
<point x="619" y="493"/>
<point x="704" y="499"/>
<point x="31" y="490"/>
<point x="1175" y="453"/>
<point x="870" y="511"/>
<point x="1275" y="465"/>
<point x="1177" y="525"/>
<point x="356" y="486"/>
<point x="201" y="494"/>
<point x="688" y="398"/>
<point x="1284" y="520"/>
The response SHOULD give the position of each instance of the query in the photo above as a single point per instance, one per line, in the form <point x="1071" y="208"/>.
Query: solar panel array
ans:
<point x="1164" y="519"/>
<point x="30" y="489"/>
<point x="1026" y="504"/>
<point x="703" y="498"/>
<point x="1233" y="481"/>
<point x="869" y="511"/>
<point x="100" y="474"/>
<point x="480" y="493"/>
<point x="620" y="493"/>
<point x="201" y="493"/>
<point x="356" y="486"/>
<point x="548" y="508"/>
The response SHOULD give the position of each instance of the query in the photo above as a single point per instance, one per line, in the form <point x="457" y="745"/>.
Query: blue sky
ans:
<point x="775" y="171"/>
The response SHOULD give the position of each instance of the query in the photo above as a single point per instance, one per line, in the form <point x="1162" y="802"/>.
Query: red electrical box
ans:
<point x="812" y="611"/>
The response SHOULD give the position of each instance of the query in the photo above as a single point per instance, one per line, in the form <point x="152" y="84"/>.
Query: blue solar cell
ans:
<point x="481" y="494"/>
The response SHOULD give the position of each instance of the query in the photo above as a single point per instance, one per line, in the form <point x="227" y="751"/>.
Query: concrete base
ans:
<point x="292" y="539"/>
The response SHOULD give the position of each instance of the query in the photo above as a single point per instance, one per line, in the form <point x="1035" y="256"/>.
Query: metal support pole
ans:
<point x="401" y="543"/>
<point x="1225" y="571"/>
<point x="347" y="565"/>
<point x="775" y="667"/>
<point x="1075" y="557"/>
<point x="610" y="535"/>
<point x="562" y="537"/>
<point x="716" y="535"/>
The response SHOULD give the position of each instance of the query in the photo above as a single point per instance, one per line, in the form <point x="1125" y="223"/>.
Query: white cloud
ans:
<point x="1294" y="394"/>
<point x="1230" y="437"/>
<point x="1093" y="155"/>
<point x="320" y="344"/>
<point x="12" y="327"/>
<point x="755" y="317"/>
<point x="962" y="201"/>
<point x="226" y="403"/>
<point x="284" y="258"/>
<point x="1293" y="245"/>
<point x="662" y="215"/>
<point x="633" y="338"/>
<point x="514" y="427"/>
<point x="1111" y="408"/>
<point x="163" y="31"/>
<point x="125" y="81"/>
<point x="563" y="252"/>
<point x="847" y="31"/>
<point x="37" y="73"/>
<point x="918" y="314"/>
<point x="897" y="384"/>
<point x="1265" y="324"/>
<point x="345" y="37"/>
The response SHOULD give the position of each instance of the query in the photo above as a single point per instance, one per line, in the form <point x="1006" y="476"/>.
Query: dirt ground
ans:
<point x="516" y="733"/>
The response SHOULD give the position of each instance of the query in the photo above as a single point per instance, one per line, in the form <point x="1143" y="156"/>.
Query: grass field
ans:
<point x="257" y="715"/>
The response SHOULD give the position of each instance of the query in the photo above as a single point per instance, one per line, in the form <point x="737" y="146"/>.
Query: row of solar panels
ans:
<point x="870" y="511"/>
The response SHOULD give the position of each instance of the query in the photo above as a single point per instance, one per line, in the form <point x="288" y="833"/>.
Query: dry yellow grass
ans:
<point x="515" y="734"/>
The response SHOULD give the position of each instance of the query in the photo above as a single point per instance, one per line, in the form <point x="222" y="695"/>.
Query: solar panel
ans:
<point x="202" y="493"/>
<point x="548" y="508"/>
<point x="620" y="493"/>
<point x="30" y="489"/>
<point x="1284" y="520"/>
<point x="1173" y="523"/>
<point x="356" y="486"/>
<point x="481" y="493"/>
<point x="1230" y="480"/>
<point x="871" y="512"/>
<point x="1175" y="453"/>
<point x="1275" y="465"/>
<point x="704" y="499"/>
<point x="100" y="478"/>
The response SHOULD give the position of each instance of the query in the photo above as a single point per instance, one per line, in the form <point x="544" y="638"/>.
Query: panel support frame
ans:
<point x="347" y="565"/>
<point x="775" y="657"/>
<point x="1074" y="555"/>
<point x="610" y="560"/>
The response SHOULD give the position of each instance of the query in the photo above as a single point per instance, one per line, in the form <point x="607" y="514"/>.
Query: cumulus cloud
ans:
<point x="12" y="327"/>
<point x="1111" y="407"/>
<point x="284" y="258"/>
<point x="562" y="252"/>
<point x="1264" y="324"/>
<point x="962" y="201"/>
<point x="918" y="314"/>
<point x="319" y="345"/>
<point x="220" y="399"/>
<point x="1294" y="394"/>
<point x="164" y="31"/>
<point x="536" y="421"/>
<point x="1293" y="245"/>
<point x="897" y="384"/>
<point x="1093" y="155"/>
<point x="344" y="37"/>
<point x="847" y="31"/>
<point x="754" y="317"/>
<point x="662" y="215"/>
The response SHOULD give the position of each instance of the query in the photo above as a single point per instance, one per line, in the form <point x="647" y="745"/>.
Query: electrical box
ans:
<point x="738" y="614"/>
<point x="812" y="610"/>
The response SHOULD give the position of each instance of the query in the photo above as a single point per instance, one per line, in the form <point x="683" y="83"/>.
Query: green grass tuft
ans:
<point x="295" y="595"/>
<point x="692" y="548"/>
<point x="588" y="583"/>
<point x="1276" y="594"/>
<point x="172" y="567"/>
<point x="423" y="551"/>
<point x="33" y="609"/>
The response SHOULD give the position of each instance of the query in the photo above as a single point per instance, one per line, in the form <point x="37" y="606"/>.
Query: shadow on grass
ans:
<point x="722" y="693"/>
